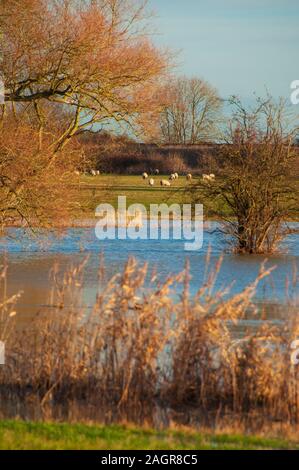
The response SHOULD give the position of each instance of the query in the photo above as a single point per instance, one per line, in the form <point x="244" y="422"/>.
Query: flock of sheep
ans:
<point x="175" y="176"/>
<point x="165" y="183"/>
<point x="89" y="173"/>
<point x="94" y="172"/>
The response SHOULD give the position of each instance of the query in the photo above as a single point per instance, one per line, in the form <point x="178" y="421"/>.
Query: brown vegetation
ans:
<point x="68" y="65"/>
<point x="141" y="356"/>
<point x="121" y="155"/>
<point x="94" y="58"/>
<point x="34" y="185"/>
<point x="254" y="177"/>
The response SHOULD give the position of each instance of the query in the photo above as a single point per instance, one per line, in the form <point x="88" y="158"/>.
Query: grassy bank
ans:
<point x="27" y="435"/>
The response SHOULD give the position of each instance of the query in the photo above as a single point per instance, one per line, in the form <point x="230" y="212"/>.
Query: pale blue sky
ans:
<point x="239" y="46"/>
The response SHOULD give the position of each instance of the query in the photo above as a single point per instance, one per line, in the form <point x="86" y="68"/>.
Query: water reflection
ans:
<point x="30" y="261"/>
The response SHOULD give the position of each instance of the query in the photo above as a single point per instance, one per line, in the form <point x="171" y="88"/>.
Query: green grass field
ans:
<point x="41" y="436"/>
<point x="95" y="190"/>
<point x="106" y="189"/>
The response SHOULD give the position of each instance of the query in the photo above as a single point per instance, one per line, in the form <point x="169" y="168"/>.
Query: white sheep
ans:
<point x="165" y="183"/>
<point x="172" y="177"/>
<point x="157" y="172"/>
<point x="98" y="173"/>
<point x="208" y="178"/>
<point x="145" y="176"/>
<point x="176" y="176"/>
<point x="151" y="182"/>
<point x="189" y="177"/>
<point x="93" y="173"/>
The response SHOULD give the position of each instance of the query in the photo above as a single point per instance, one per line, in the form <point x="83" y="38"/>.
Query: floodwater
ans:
<point x="30" y="260"/>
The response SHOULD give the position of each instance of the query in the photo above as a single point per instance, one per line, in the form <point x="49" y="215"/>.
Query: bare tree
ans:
<point x="254" y="177"/>
<point x="68" y="65"/>
<point x="92" y="56"/>
<point x="191" y="111"/>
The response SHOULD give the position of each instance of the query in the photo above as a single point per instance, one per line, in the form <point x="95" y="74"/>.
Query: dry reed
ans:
<point x="143" y="355"/>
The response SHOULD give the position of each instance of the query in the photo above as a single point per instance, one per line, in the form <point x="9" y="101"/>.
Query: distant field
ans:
<point x="95" y="190"/>
<point x="106" y="189"/>
<point x="41" y="436"/>
<point x="109" y="187"/>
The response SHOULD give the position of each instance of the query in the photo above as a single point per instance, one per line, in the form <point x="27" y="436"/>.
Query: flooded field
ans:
<point x="30" y="261"/>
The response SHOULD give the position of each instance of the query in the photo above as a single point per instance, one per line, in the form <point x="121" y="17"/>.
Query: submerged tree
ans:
<point x="254" y="179"/>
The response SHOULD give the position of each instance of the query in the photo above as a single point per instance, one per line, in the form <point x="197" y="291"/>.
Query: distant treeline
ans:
<point x="119" y="154"/>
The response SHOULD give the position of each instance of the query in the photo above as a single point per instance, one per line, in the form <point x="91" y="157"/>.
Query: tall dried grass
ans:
<point x="142" y="354"/>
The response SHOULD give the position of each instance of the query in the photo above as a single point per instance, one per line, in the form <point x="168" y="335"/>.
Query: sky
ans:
<point x="239" y="46"/>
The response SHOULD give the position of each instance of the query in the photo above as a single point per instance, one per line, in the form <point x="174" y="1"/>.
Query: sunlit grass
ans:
<point x="95" y="190"/>
<point x="27" y="435"/>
